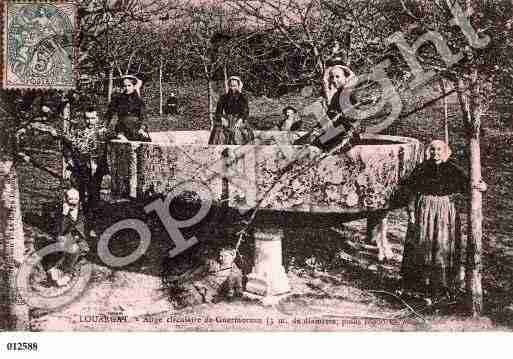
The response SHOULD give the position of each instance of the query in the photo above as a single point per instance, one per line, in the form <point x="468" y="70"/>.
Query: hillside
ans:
<point x="337" y="276"/>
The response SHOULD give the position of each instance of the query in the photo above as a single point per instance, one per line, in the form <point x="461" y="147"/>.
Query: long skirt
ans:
<point x="432" y="251"/>
<point x="231" y="136"/>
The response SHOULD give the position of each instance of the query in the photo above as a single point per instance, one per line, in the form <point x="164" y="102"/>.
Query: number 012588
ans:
<point x="21" y="346"/>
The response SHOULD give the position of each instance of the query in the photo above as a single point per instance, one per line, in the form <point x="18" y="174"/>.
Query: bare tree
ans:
<point x="306" y="28"/>
<point x="204" y="40"/>
<point x="113" y="33"/>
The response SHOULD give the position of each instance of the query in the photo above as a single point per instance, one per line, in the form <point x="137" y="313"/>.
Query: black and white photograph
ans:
<point x="256" y="166"/>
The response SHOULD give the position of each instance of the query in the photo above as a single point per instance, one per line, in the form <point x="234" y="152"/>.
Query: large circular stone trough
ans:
<point x="289" y="184"/>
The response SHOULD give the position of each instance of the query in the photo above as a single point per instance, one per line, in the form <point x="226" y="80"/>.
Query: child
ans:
<point x="290" y="122"/>
<point x="214" y="280"/>
<point x="224" y="279"/>
<point x="68" y="230"/>
<point x="88" y="148"/>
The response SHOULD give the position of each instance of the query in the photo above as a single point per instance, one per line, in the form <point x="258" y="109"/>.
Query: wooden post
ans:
<point x="133" y="165"/>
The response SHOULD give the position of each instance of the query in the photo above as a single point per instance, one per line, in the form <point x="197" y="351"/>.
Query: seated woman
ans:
<point x="130" y="110"/>
<point x="432" y="263"/>
<point x="337" y="129"/>
<point x="231" y="118"/>
<point x="291" y="120"/>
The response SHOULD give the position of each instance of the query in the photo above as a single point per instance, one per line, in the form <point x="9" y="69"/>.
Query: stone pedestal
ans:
<point x="268" y="281"/>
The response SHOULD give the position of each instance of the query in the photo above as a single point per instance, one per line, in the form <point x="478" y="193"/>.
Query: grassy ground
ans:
<point x="334" y="273"/>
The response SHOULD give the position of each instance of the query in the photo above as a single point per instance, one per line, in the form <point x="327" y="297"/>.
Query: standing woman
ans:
<point x="432" y="263"/>
<point x="130" y="110"/>
<point x="231" y="118"/>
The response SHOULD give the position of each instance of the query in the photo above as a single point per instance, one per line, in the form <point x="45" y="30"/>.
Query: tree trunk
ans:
<point x="14" y="312"/>
<point x="161" y="107"/>
<point x="111" y="83"/>
<point x="211" y="95"/>
<point x="475" y="232"/>
<point x="446" y="111"/>
<point x="211" y="103"/>
<point x="467" y="95"/>
<point x="319" y="60"/>
<point x="225" y="73"/>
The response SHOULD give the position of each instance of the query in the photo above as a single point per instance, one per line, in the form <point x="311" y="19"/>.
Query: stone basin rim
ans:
<point x="396" y="140"/>
<point x="400" y="154"/>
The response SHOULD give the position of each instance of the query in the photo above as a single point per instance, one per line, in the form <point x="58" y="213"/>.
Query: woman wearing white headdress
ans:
<point x="231" y="118"/>
<point x="337" y="129"/>
<point x="432" y="263"/>
<point x="130" y="110"/>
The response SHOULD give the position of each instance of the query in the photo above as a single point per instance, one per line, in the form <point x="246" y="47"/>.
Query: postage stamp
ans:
<point x="216" y="168"/>
<point x="38" y="49"/>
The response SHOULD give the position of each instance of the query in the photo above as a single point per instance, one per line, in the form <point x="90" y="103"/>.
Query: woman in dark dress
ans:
<point x="130" y="110"/>
<point x="432" y="263"/>
<point x="336" y="129"/>
<point x="231" y="118"/>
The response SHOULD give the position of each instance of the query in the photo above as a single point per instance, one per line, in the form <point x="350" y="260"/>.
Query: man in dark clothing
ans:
<point x="172" y="105"/>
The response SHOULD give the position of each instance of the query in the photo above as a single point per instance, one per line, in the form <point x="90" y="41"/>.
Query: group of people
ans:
<point x="231" y="126"/>
<point x="432" y="266"/>
<point x="432" y="262"/>
<point x="84" y="142"/>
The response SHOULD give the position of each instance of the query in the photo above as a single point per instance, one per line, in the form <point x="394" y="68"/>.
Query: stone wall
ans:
<point x="13" y="311"/>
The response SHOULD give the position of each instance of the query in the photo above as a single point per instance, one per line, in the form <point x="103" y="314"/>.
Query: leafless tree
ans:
<point x="204" y="41"/>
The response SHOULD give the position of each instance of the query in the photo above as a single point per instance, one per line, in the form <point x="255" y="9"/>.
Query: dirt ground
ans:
<point x="337" y="281"/>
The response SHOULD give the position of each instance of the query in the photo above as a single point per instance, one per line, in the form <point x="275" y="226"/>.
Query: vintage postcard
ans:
<point x="292" y="166"/>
